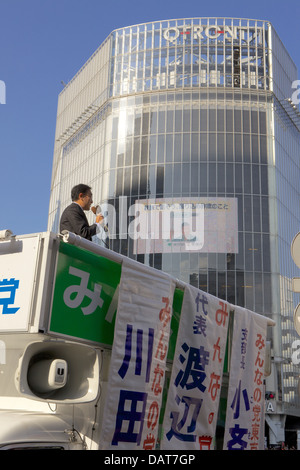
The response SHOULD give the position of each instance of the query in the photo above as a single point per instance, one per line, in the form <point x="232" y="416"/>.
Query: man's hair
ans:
<point x="79" y="188"/>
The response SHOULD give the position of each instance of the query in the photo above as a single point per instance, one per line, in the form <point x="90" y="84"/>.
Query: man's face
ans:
<point x="86" y="200"/>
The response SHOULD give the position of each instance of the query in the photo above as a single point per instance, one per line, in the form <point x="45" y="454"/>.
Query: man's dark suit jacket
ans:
<point x="74" y="220"/>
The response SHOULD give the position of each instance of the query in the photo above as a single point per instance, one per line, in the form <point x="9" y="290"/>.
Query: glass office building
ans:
<point x="193" y="116"/>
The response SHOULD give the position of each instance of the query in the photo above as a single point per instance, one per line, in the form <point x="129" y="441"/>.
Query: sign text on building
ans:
<point x="205" y="32"/>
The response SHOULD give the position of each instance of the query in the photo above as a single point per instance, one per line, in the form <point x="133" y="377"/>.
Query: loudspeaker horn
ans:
<point x="59" y="371"/>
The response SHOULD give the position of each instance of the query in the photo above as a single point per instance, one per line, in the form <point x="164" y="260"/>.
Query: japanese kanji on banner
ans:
<point x="193" y="399"/>
<point x="244" y="428"/>
<point x="17" y="274"/>
<point x="138" y="361"/>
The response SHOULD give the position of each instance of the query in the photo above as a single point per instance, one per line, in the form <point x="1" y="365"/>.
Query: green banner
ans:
<point x="177" y="304"/>
<point x="85" y="295"/>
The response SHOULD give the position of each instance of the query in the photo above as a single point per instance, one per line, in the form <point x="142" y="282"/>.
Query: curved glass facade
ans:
<point x="209" y="147"/>
<point x="196" y="52"/>
<point x="192" y="112"/>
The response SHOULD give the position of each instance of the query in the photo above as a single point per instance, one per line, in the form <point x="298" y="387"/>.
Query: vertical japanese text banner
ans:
<point x="193" y="399"/>
<point x="244" y="427"/>
<point x="138" y="362"/>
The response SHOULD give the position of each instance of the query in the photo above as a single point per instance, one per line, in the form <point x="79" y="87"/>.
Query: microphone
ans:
<point x="97" y="210"/>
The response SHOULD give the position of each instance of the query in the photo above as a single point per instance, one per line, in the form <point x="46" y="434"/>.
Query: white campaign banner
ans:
<point x="244" y="428"/>
<point x="193" y="399"/>
<point x="138" y="362"/>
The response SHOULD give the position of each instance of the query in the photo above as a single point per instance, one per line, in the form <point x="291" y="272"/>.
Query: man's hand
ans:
<point x="99" y="219"/>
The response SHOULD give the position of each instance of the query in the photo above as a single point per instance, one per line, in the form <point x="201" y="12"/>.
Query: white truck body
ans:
<point x="29" y="421"/>
<point x="54" y="362"/>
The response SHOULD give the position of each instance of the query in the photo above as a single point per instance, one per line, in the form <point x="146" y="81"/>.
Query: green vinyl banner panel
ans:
<point x="85" y="298"/>
<point x="85" y="295"/>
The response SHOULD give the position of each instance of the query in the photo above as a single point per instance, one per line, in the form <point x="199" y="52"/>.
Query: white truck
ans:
<point x="56" y="337"/>
<point x="49" y="382"/>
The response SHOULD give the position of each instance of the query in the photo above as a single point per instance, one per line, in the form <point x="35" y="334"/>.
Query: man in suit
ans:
<point x="73" y="217"/>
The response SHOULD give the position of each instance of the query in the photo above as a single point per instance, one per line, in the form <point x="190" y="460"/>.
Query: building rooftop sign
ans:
<point x="181" y="34"/>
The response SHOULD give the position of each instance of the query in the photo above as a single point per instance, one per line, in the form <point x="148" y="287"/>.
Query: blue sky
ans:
<point x="43" y="42"/>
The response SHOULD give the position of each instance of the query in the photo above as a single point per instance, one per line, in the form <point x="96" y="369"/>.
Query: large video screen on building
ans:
<point x="174" y="225"/>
